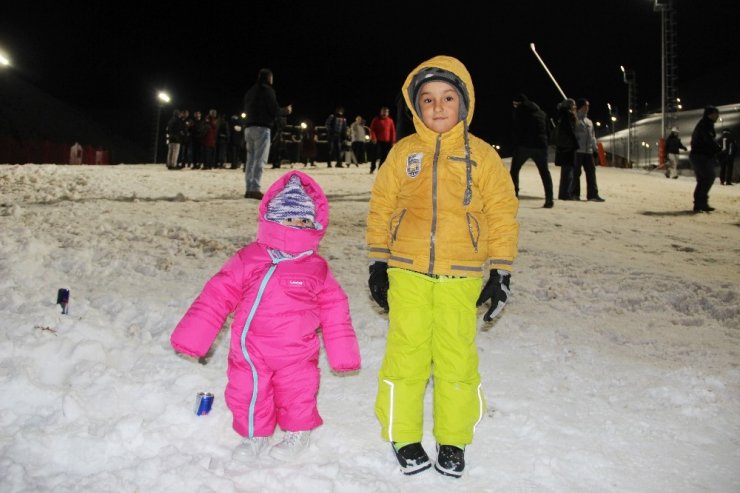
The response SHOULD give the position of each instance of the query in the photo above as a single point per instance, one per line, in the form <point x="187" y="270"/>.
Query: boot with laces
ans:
<point x="251" y="448"/>
<point x="292" y="445"/>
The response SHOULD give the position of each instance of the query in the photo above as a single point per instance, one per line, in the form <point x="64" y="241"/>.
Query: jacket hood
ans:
<point x="286" y="238"/>
<point x="529" y="106"/>
<point x="448" y="66"/>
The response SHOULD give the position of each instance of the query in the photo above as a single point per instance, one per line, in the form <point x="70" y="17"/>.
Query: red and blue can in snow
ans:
<point x="203" y="403"/>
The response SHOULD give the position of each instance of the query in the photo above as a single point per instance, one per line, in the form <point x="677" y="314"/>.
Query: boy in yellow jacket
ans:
<point x="442" y="212"/>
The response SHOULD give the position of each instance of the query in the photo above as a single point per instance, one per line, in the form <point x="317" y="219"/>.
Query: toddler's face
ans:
<point x="298" y="222"/>
<point x="440" y="105"/>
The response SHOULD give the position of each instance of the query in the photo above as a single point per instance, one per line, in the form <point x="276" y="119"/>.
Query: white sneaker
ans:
<point x="251" y="448"/>
<point x="293" y="443"/>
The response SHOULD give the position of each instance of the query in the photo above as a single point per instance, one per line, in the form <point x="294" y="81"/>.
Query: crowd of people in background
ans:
<point x="261" y="133"/>
<point x="204" y="143"/>
<point x="216" y="142"/>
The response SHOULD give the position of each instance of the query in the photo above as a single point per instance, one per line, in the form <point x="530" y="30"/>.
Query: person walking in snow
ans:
<point x="673" y="146"/>
<point x="441" y="208"/>
<point x="703" y="157"/>
<point x="280" y="292"/>
<point x="530" y="142"/>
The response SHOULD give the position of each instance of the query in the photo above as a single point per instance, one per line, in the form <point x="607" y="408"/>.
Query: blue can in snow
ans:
<point x="203" y="403"/>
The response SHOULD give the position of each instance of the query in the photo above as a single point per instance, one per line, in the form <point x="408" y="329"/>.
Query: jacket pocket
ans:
<point x="473" y="230"/>
<point x="394" y="224"/>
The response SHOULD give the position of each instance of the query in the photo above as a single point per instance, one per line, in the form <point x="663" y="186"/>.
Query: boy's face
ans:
<point x="440" y="106"/>
<point x="298" y="222"/>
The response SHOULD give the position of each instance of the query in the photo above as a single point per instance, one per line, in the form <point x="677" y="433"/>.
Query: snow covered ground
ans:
<point x="614" y="368"/>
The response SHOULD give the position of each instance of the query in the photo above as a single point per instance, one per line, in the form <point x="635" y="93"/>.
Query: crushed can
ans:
<point x="203" y="403"/>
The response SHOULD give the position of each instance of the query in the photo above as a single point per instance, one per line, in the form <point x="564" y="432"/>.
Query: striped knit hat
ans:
<point x="292" y="201"/>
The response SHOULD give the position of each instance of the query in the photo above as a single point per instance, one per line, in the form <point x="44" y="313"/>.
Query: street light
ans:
<point x="613" y="119"/>
<point x="4" y="59"/>
<point x="647" y="154"/>
<point x="162" y="99"/>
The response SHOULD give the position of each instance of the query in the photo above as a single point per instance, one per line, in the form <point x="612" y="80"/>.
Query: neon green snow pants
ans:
<point x="432" y="329"/>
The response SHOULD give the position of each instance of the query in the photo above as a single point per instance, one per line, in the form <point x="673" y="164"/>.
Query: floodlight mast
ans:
<point x="531" y="45"/>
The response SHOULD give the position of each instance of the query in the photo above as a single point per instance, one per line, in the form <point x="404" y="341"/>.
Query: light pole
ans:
<point x="613" y="119"/>
<point x="628" y="76"/>
<point x="162" y="99"/>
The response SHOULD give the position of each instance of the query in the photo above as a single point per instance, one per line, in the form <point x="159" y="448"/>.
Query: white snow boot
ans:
<point x="292" y="445"/>
<point x="251" y="448"/>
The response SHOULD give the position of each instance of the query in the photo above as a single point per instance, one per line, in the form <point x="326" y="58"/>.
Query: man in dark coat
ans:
<point x="336" y="129"/>
<point x="261" y="106"/>
<point x="530" y="142"/>
<point x="703" y="157"/>
<point x="176" y="131"/>
<point x="726" y="157"/>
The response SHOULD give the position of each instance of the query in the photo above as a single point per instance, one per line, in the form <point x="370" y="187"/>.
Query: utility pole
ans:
<point x="629" y="78"/>
<point x="669" y="61"/>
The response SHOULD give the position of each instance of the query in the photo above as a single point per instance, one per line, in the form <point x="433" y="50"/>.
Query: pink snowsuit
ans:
<point x="279" y="305"/>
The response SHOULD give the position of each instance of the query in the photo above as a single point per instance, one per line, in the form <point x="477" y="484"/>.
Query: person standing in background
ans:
<point x="383" y="136"/>
<point x="222" y="142"/>
<point x="359" y="136"/>
<point x="727" y="157"/>
<point x="336" y="128"/>
<point x="186" y="153"/>
<point x="673" y="146"/>
<point x="262" y="109"/>
<point x="585" y="155"/>
<point x="566" y="144"/>
<point x="530" y="142"/>
<point x="309" y="144"/>
<point x="210" y="139"/>
<point x="75" y="154"/>
<point x="236" y="141"/>
<point x="176" y="130"/>
<point x="703" y="157"/>
<point x="197" y="133"/>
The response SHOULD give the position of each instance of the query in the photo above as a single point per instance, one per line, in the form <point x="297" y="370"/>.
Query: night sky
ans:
<point x="111" y="58"/>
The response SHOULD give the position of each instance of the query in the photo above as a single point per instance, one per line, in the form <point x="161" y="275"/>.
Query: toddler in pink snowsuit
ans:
<point x="281" y="292"/>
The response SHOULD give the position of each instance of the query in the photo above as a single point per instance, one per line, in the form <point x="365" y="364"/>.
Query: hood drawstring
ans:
<point x="468" y="167"/>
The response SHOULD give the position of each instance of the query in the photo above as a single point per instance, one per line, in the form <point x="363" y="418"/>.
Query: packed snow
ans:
<point x="613" y="368"/>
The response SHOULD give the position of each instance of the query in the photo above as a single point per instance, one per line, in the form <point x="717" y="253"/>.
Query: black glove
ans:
<point x="378" y="283"/>
<point x="496" y="290"/>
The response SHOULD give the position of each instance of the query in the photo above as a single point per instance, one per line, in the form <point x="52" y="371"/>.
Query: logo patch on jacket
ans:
<point x="413" y="164"/>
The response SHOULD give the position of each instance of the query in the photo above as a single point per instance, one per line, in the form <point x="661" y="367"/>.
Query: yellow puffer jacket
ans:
<point x="437" y="209"/>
